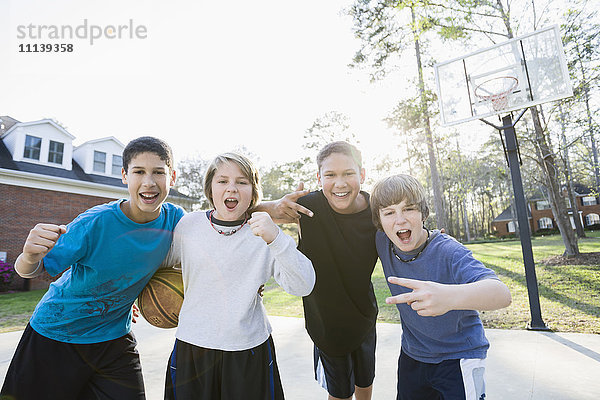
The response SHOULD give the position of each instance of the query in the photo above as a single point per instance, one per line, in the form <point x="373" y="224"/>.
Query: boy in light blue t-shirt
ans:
<point x="437" y="285"/>
<point x="78" y="343"/>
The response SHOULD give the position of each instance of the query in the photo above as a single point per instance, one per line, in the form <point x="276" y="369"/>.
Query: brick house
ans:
<point x="539" y="213"/>
<point x="44" y="178"/>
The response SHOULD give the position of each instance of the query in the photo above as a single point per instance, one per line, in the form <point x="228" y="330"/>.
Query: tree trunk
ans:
<point x="491" y="214"/>
<point x="473" y="215"/>
<point x="551" y="175"/>
<point x="586" y="94"/>
<point x="483" y="215"/>
<point x="466" y="220"/>
<point x="574" y="208"/>
<point x="568" y="177"/>
<point x="440" y="214"/>
<point x="450" y="228"/>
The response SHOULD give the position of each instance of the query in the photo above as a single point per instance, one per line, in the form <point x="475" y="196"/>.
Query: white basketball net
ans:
<point x="497" y="91"/>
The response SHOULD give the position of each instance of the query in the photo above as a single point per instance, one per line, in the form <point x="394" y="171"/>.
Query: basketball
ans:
<point x="161" y="299"/>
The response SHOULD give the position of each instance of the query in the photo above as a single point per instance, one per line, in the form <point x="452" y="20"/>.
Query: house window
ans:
<point x="592" y="219"/>
<point x="99" y="161"/>
<point x="511" y="227"/>
<point x="117" y="164"/>
<point x="588" y="201"/>
<point x="542" y="205"/>
<point x="32" y="147"/>
<point x="545" y="223"/>
<point x="55" y="154"/>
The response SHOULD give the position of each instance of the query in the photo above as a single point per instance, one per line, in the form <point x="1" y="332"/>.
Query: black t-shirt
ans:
<point x="342" y="309"/>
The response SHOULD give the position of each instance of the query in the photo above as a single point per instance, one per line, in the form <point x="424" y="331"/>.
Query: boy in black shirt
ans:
<point x="339" y="239"/>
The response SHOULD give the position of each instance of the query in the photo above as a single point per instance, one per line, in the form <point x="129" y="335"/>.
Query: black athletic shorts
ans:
<point x="339" y="374"/>
<point x="42" y="368"/>
<point x="195" y="372"/>
<point x="460" y="379"/>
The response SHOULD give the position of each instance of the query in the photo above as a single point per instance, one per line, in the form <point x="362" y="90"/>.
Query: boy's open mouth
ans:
<point x="148" y="197"/>
<point x="231" y="203"/>
<point x="404" y="234"/>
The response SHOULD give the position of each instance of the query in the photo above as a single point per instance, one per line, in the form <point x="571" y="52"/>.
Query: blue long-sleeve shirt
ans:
<point x="454" y="335"/>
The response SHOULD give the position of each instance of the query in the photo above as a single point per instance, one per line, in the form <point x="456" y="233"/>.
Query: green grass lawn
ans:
<point x="16" y="308"/>
<point x="569" y="291"/>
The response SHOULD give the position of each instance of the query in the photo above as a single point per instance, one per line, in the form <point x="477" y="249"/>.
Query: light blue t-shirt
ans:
<point x="108" y="260"/>
<point x="454" y="335"/>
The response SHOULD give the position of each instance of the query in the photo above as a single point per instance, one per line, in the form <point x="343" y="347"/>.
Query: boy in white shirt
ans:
<point x="224" y="349"/>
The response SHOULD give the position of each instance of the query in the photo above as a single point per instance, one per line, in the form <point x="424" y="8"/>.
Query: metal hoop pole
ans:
<point x="537" y="323"/>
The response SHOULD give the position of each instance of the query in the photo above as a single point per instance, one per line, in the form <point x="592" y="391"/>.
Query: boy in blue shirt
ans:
<point x="78" y="343"/>
<point x="437" y="285"/>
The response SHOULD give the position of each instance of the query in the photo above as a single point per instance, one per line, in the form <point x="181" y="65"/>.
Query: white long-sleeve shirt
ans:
<point x="221" y="277"/>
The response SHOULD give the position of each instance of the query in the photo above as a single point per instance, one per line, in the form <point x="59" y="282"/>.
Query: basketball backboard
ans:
<point x="516" y="74"/>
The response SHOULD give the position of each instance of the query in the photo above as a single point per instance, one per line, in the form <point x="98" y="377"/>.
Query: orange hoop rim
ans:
<point x="499" y="95"/>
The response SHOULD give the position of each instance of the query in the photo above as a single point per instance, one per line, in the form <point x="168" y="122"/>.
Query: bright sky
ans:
<point x="207" y="77"/>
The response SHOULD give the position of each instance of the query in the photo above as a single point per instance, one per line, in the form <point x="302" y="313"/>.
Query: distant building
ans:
<point x="539" y="213"/>
<point x="44" y="178"/>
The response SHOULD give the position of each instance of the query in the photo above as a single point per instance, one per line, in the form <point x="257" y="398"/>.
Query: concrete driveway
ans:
<point x="521" y="364"/>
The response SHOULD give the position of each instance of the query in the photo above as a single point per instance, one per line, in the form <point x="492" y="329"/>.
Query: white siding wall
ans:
<point x="84" y="155"/>
<point x="15" y="142"/>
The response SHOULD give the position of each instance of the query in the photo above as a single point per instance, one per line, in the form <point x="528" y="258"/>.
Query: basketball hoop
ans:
<point x="496" y="91"/>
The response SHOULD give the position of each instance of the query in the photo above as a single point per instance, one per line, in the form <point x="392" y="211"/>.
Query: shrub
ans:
<point x="546" y="232"/>
<point x="7" y="273"/>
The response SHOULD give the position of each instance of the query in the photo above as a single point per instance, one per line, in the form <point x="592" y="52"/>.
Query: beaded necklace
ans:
<point x="226" y="233"/>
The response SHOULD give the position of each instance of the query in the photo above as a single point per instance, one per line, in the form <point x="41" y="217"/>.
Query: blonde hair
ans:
<point x="247" y="168"/>
<point x="394" y="190"/>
